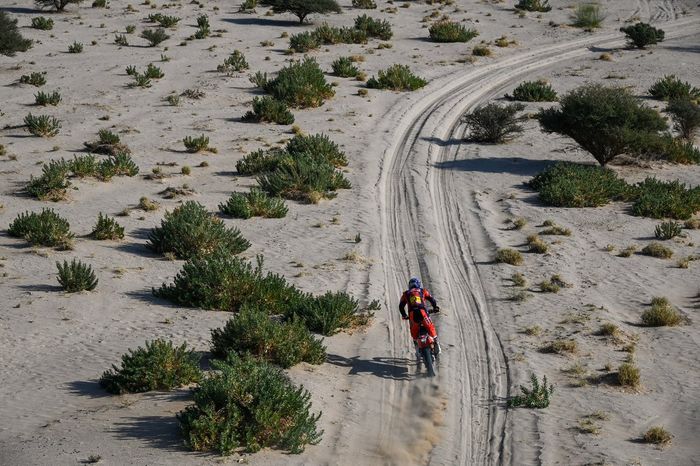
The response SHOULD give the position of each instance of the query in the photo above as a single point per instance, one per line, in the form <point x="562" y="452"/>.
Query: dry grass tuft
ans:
<point x="561" y="346"/>
<point x="658" y="436"/>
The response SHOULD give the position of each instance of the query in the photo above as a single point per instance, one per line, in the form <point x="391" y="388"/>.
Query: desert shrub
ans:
<point x="153" y="72"/>
<point x="320" y="146"/>
<point x="665" y="199"/>
<point x="154" y="36"/>
<point x="654" y="146"/>
<point x="573" y="185"/>
<point x="58" y="5"/>
<point x="301" y="84"/>
<point x="541" y="6"/>
<point x="397" y="78"/>
<point x="303" y="42"/>
<point x="364" y="4"/>
<point x="603" y="120"/>
<point x="44" y="98"/>
<point x="534" y="91"/>
<point x="556" y="230"/>
<point x="248" y="6"/>
<point x="107" y="143"/>
<point x="140" y="80"/>
<point x="158" y="366"/>
<point x="561" y="346"/>
<point x="518" y="279"/>
<point x="52" y="183"/>
<point x="75" y="47"/>
<point x="668" y="230"/>
<point x="83" y="166"/>
<point x="377" y="28"/>
<point x="166" y="21"/>
<point x="538" y="396"/>
<point x="450" y="31"/>
<point x="76" y="276"/>
<point x="260" y="161"/>
<point x="658" y="436"/>
<point x="661" y="313"/>
<point x="255" y="203"/>
<point x="642" y="34"/>
<point x="672" y="88"/>
<point x="99" y="4"/>
<point x="190" y="231"/>
<point x="253" y="331"/>
<point x="106" y="228"/>
<point x="46" y="228"/>
<point x="203" y="27"/>
<point x="537" y="245"/>
<point x="628" y="375"/>
<point x="45" y="24"/>
<point x="196" y="144"/>
<point x="588" y="16"/>
<point x="234" y="63"/>
<point x="493" y="123"/>
<point x="302" y="8"/>
<point x="328" y="313"/>
<point x="692" y="224"/>
<point x="43" y="125"/>
<point x="686" y="117"/>
<point x="34" y="78"/>
<point x="509" y="256"/>
<point x="344" y="68"/>
<point x="249" y="405"/>
<point x="120" y="39"/>
<point x="269" y="109"/>
<point x="657" y="250"/>
<point x="120" y="164"/>
<point x="11" y="41"/>
<point x="481" y="51"/>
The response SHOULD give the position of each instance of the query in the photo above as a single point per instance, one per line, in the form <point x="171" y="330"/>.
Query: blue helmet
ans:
<point x="414" y="283"/>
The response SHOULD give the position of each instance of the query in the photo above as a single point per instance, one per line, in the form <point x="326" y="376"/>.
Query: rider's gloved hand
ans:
<point x="436" y="309"/>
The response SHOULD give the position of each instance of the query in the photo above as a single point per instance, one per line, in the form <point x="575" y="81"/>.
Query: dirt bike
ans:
<point x="428" y="351"/>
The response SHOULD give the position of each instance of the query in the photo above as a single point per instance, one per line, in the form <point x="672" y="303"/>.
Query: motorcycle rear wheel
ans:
<point x="428" y="360"/>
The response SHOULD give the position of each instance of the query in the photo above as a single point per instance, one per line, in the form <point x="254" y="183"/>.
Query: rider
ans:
<point x="418" y="314"/>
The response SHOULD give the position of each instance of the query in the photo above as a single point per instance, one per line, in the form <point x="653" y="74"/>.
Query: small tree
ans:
<point x="11" y="41"/>
<point x="603" y="120"/>
<point x="493" y="122"/>
<point x="58" y="5"/>
<point x="642" y="34"/>
<point x="686" y="117"/>
<point x="302" y="8"/>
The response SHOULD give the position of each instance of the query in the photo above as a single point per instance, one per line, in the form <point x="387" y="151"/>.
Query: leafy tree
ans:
<point x="494" y="123"/>
<point x="302" y="8"/>
<point x="59" y="5"/>
<point x="603" y="120"/>
<point x="11" y="41"/>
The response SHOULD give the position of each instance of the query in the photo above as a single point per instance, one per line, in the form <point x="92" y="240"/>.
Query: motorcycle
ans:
<point x="427" y="350"/>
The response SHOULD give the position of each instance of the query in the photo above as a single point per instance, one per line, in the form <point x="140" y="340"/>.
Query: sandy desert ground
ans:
<point x="424" y="202"/>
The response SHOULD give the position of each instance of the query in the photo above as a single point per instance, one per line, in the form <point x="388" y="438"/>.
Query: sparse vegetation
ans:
<point x="518" y="279"/>
<point x="658" y="436"/>
<point x="668" y="230"/>
<point x="234" y="63"/>
<point x="628" y="375"/>
<point x="11" y="41"/>
<point x="541" y="6"/>
<point x="672" y="88"/>
<point x="561" y="346"/>
<point x="302" y="8"/>
<point x="35" y="79"/>
<point x="344" y="68"/>
<point x="301" y="84"/>
<point x="196" y="144"/>
<point x="43" y="23"/>
<point x="481" y="51"/>
<point x="536" y="244"/>
<point x="58" y="5"/>
<point x="661" y="314"/>
<point x="44" y="98"/>
<point x="588" y="16"/>
<point x="493" y="123"/>
<point x="372" y="27"/>
<point x="534" y="91"/>
<point x="107" y="228"/>
<point x="75" y="47"/>
<point x="686" y="118"/>
<point x="269" y="109"/>
<point x="364" y="4"/>
<point x="76" y="276"/>
<point x="44" y="126"/>
<point x="450" y="31"/>
<point x="509" y="256"/>
<point x="46" y="228"/>
<point x="657" y="250"/>
<point x="155" y="36"/>
<point x="397" y="78"/>
<point x="642" y="34"/>
<point x="665" y="199"/>
<point x="538" y="396"/>
<point x="255" y="203"/>
<point x="573" y="185"/>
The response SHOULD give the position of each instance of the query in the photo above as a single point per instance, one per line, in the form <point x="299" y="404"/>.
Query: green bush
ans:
<point x="58" y="5"/>
<point x="588" y="16"/>
<point x="252" y="331"/>
<point x="534" y="91"/>
<point x="43" y="125"/>
<point x="301" y="84"/>
<point x="364" y="4"/>
<point x="260" y="161"/>
<point x="166" y="21"/>
<point x="153" y="72"/>
<point x="255" y="203"/>
<point x="302" y="8"/>
<point x="75" y="47"/>
<point x="35" y="79"/>
<point x="203" y="30"/>
<point x="269" y="109"/>
<point x="344" y="68"/>
<point x="45" y="24"/>
<point x="249" y="405"/>
<point x="330" y="35"/>
<point x="537" y="396"/>
<point x="83" y="166"/>
<point x="121" y="40"/>
<point x="119" y="164"/>
<point x="686" y="117"/>
<point x="573" y="185"/>
<point x="76" y="276"/>
<point x="330" y="312"/>
<point x="450" y="31"/>
<point x="46" y="229"/>
<point x="376" y="28"/>
<point x="303" y="42"/>
<point x="11" y="41"/>
<point x="541" y="6"/>
<point x="665" y="199"/>
<point x="658" y="436"/>
<point x="106" y="228"/>
<point x="44" y="98"/>
<point x="661" y="314"/>
<point x="234" y="63"/>
<point x="158" y="366"/>
<point x="642" y="34"/>
<point x="672" y="88"/>
<point x="155" y="36"/>
<point x="196" y="144"/>
<point x="664" y="146"/>
<point x="605" y="121"/>
<point x="657" y="250"/>
<point x="190" y="231"/>
<point x="628" y="375"/>
<point x="53" y="182"/>
<point x="107" y="143"/>
<point x="493" y="123"/>
<point x="397" y="78"/>
<point x="509" y="256"/>
<point x="320" y="146"/>
<point x="668" y="230"/>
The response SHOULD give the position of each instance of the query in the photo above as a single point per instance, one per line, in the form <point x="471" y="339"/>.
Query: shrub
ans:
<point x="377" y="28"/>
<point x="556" y="230"/>
<point x="661" y="314"/>
<point x="269" y="109"/>
<point x="11" y="41"/>
<point x="344" y="68"/>
<point x="672" y="88"/>
<point x="302" y="8"/>
<point x="364" y="4"/>
<point x="107" y="228"/>
<point x="588" y="16"/>
<point x="534" y="91"/>
<point x="83" y="166"/>
<point x="120" y="39"/>
<point x="657" y="250"/>
<point x="190" y="231"/>
<point x="155" y="36"/>
<point x="330" y="312"/>
<point x="153" y="72"/>
<point x="604" y="120"/>
<point x="35" y="79"/>
<point x="46" y="229"/>
<point x="75" y="47"/>
<point x="255" y="203"/>
<point x="58" y="5"/>
<point x="493" y="123"/>
<point x="44" y="98"/>
<point x="158" y="366"/>
<point x="686" y="117"/>
<point x="248" y="6"/>
<point x="450" y="31"/>
<point x="665" y="199"/>
<point x="196" y="144"/>
<point x="253" y="331"/>
<point x="119" y="164"/>
<point x="303" y="42"/>
<point x="234" y="63"/>
<point x="45" y="24"/>
<point x="541" y="6"/>
<point x="658" y="436"/>
<point x="628" y="375"/>
<point x="52" y="183"/>
<point x="166" y="21"/>
<point x="107" y="143"/>
<point x="99" y="4"/>
<point x="320" y="146"/>
<point x="536" y="244"/>
<point x="141" y="80"/>
<point x="573" y="185"/>
<point x="202" y="27"/>
<point x="509" y="256"/>
<point x="642" y="34"/>
<point x="397" y="78"/>
<point x="481" y="51"/>
<point x="301" y="84"/>
<point x="42" y="125"/>
<point x="561" y="346"/>
<point x="535" y="397"/>
<point x="249" y="405"/>
<point x="518" y="279"/>
<point x="76" y="276"/>
<point x="668" y="230"/>
<point x="260" y="161"/>
<point x="663" y="146"/>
